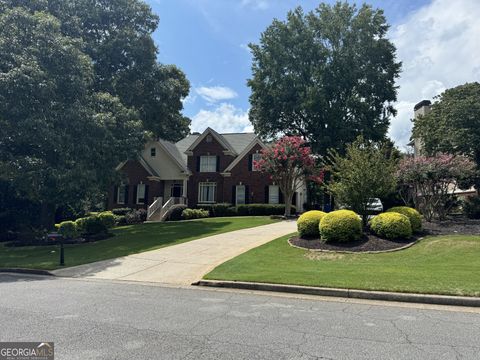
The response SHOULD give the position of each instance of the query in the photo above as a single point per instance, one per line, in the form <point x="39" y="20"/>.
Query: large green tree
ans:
<point x="328" y="76"/>
<point x="453" y="124"/>
<point x="117" y="36"/>
<point x="60" y="140"/>
<point x="366" y="171"/>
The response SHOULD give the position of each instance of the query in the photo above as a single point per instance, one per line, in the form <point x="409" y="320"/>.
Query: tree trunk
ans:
<point x="47" y="216"/>
<point x="288" y="203"/>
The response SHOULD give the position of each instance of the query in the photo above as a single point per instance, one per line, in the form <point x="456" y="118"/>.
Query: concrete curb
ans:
<point x="26" y="271"/>
<point x="347" y="293"/>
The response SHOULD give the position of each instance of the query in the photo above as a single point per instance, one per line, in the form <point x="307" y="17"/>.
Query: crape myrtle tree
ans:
<point x="327" y="76"/>
<point x="431" y="181"/>
<point x="365" y="171"/>
<point x="453" y="124"/>
<point x="289" y="161"/>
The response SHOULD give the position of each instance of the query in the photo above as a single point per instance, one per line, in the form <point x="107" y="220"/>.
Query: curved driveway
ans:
<point x="184" y="263"/>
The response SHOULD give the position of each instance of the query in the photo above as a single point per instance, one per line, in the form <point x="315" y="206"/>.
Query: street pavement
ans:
<point x="104" y="319"/>
<point x="181" y="264"/>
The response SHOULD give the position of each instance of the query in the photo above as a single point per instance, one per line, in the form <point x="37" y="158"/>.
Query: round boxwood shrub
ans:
<point x="68" y="229"/>
<point x="412" y="214"/>
<point x="107" y="218"/>
<point x="391" y="225"/>
<point x="341" y="226"/>
<point x="308" y="223"/>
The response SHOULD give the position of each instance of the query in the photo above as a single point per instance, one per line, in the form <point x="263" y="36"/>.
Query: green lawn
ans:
<point x="436" y="265"/>
<point x="129" y="239"/>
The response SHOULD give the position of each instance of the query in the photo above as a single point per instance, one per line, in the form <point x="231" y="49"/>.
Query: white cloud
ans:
<point x="439" y="46"/>
<point x="214" y="94"/>
<point x="256" y="4"/>
<point x="224" y="118"/>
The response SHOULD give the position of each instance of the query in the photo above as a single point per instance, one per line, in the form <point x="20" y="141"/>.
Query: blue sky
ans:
<point x="207" y="39"/>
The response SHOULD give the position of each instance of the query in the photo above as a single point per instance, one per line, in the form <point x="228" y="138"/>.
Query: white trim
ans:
<point x="123" y="188"/>
<point x="244" y="153"/>
<point x="217" y="137"/>
<point x="206" y="164"/>
<point x="137" y="193"/>
<point x="207" y="183"/>
<point x="244" y="194"/>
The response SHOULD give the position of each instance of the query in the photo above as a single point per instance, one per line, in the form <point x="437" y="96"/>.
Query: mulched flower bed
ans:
<point x="368" y="243"/>
<point x="371" y="242"/>
<point x="453" y="226"/>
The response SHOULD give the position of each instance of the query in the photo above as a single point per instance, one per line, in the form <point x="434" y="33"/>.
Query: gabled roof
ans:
<point x="221" y="139"/>
<point x="175" y="154"/>
<point x="245" y="151"/>
<point x="142" y="162"/>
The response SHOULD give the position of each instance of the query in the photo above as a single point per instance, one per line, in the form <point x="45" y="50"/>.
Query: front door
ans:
<point x="176" y="190"/>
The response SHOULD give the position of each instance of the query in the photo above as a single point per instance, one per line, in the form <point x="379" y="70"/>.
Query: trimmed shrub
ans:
<point x="471" y="207"/>
<point x="80" y="223"/>
<point x="412" y="215"/>
<point x="107" y="218"/>
<point x="93" y="225"/>
<point x="341" y="226"/>
<point x="176" y="213"/>
<point x="189" y="214"/>
<point x="136" y="216"/>
<point x="121" y="211"/>
<point x="391" y="225"/>
<point x="262" y="209"/>
<point x="120" y="220"/>
<point x="308" y="224"/>
<point x="220" y="210"/>
<point x="68" y="229"/>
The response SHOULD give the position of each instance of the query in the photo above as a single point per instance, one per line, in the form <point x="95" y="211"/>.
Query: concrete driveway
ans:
<point x="184" y="263"/>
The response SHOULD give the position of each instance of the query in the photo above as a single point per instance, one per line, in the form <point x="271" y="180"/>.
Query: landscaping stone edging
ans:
<point x="26" y="271"/>
<point x="357" y="252"/>
<point x="347" y="293"/>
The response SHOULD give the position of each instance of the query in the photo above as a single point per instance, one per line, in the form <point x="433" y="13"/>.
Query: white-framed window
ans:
<point x="121" y="194"/>
<point x="153" y="152"/>
<point x="208" y="163"/>
<point x="256" y="157"/>
<point x="141" y="194"/>
<point x="273" y="194"/>
<point x="206" y="192"/>
<point x="240" y="194"/>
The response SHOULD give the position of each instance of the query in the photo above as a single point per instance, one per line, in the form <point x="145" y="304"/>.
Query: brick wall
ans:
<point x="135" y="174"/>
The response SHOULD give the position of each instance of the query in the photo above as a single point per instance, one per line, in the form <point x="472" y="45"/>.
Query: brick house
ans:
<point x="200" y="169"/>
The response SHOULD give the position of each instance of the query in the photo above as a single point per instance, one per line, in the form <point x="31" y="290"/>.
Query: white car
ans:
<point x="375" y="205"/>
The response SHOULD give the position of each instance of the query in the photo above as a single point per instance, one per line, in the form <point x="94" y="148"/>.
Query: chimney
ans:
<point x="422" y="108"/>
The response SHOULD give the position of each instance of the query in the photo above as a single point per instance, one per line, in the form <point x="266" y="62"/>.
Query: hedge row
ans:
<point x="225" y="209"/>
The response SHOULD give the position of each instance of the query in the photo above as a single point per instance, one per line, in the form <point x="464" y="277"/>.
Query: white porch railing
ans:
<point x="170" y="204"/>
<point x="157" y="204"/>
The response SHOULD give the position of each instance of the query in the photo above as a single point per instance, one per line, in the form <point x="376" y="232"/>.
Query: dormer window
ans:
<point x="153" y="152"/>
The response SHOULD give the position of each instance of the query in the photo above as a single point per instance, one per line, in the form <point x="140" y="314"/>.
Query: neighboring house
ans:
<point x="200" y="169"/>
<point x="420" y="109"/>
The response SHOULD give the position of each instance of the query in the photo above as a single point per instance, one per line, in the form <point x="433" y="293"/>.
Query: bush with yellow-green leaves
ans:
<point x="308" y="223"/>
<point x="341" y="226"/>
<point x="391" y="226"/>
<point x="412" y="214"/>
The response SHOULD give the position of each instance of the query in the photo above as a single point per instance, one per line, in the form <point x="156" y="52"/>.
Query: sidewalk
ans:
<point x="181" y="264"/>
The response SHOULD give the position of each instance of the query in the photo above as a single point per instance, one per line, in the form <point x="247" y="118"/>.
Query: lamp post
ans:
<point x="56" y="237"/>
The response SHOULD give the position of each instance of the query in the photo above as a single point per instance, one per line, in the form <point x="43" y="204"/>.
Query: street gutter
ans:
<point x="346" y="293"/>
